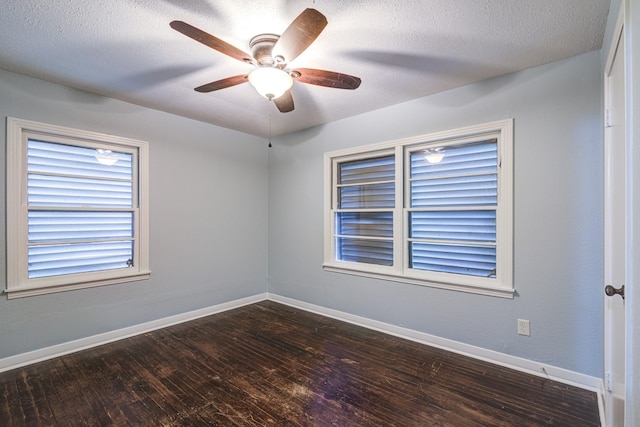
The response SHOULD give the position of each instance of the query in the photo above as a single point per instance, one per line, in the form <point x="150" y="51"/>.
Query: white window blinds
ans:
<point x="452" y="215"/>
<point x="364" y="210"/>
<point x="80" y="210"/>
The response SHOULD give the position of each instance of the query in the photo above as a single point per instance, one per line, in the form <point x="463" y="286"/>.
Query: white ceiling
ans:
<point x="401" y="49"/>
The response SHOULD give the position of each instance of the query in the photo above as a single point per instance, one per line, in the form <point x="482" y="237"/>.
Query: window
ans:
<point x="433" y="210"/>
<point x="364" y="214"/>
<point x="77" y="210"/>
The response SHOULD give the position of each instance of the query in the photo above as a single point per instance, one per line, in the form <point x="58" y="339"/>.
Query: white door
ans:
<point x="615" y="235"/>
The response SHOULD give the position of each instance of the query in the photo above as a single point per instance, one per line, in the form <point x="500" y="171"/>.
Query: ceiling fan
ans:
<point x="271" y="54"/>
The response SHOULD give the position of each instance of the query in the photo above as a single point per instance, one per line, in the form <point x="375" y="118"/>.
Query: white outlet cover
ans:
<point x="524" y="327"/>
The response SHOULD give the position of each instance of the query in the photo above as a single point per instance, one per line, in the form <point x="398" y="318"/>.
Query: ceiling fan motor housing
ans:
<point x="261" y="49"/>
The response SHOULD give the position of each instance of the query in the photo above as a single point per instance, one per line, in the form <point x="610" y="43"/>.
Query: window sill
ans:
<point x="28" y="291"/>
<point x="474" y="289"/>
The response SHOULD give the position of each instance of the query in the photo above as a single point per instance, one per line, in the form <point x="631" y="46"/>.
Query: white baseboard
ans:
<point x="40" y="355"/>
<point x="546" y="371"/>
<point x="564" y="376"/>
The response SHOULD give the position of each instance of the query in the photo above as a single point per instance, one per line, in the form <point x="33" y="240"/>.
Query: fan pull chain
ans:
<point x="270" y="131"/>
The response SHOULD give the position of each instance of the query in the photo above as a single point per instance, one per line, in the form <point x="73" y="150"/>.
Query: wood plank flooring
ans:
<point x="271" y="365"/>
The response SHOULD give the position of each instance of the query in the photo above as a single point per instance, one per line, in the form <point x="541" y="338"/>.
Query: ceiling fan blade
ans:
<point x="326" y="78"/>
<point x="211" y="41"/>
<point x="284" y="102"/>
<point x="299" y="35"/>
<point x="224" y="83"/>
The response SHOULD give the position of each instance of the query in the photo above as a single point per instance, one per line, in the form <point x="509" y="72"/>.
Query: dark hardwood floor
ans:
<point x="269" y="364"/>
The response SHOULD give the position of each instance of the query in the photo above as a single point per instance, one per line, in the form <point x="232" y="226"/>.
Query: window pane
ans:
<point x="457" y="259"/>
<point x="378" y="252"/>
<point x="61" y="159"/>
<point x="47" y="226"/>
<point x="475" y="226"/>
<point x="367" y="196"/>
<point x="60" y="191"/>
<point x="367" y="170"/>
<point x="63" y="176"/>
<point x="372" y="224"/>
<point x="443" y="239"/>
<point x="56" y="260"/>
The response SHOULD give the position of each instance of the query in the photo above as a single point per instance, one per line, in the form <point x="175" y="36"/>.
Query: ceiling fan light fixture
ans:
<point x="270" y="82"/>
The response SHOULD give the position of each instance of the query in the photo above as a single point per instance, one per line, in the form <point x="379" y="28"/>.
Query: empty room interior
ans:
<point x="431" y="222"/>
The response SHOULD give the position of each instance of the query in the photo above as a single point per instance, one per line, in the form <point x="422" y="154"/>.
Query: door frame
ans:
<point x="632" y="71"/>
<point x="611" y="319"/>
<point x="629" y="20"/>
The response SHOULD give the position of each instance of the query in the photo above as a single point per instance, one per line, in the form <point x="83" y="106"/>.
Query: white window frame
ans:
<point x="18" y="283"/>
<point x="501" y="285"/>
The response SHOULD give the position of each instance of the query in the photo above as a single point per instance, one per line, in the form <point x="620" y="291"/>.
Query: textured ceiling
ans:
<point x="401" y="49"/>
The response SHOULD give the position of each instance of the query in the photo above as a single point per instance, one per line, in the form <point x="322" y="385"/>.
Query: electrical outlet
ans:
<point x="524" y="328"/>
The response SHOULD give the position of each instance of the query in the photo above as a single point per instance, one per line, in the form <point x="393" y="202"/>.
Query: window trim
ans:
<point x="502" y="285"/>
<point x="18" y="283"/>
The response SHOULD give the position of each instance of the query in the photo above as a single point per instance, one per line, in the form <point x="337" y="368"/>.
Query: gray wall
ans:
<point x="208" y="199"/>
<point x="212" y="192"/>
<point x="558" y="217"/>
